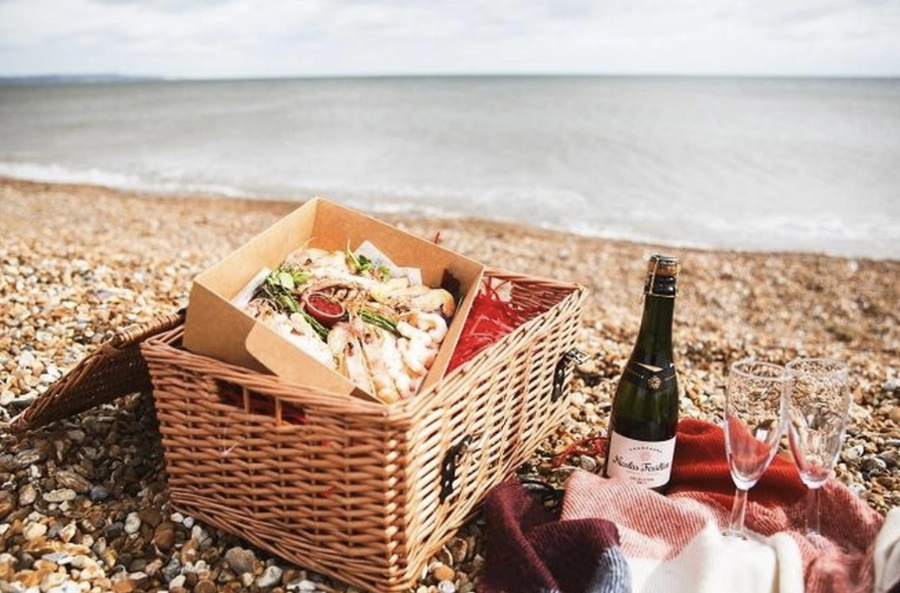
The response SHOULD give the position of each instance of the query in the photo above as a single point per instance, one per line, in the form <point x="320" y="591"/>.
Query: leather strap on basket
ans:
<point x="450" y="464"/>
<point x="116" y="368"/>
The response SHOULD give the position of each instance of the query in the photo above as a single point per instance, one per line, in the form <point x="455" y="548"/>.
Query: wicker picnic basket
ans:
<point x="357" y="490"/>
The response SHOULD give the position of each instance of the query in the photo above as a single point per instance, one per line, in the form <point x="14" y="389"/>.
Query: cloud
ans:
<point x="164" y="6"/>
<point x="209" y="38"/>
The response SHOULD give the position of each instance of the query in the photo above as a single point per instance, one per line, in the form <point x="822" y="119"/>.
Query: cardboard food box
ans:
<point x="218" y="328"/>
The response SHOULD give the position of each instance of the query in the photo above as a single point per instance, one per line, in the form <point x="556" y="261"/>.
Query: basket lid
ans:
<point x="116" y="368"/>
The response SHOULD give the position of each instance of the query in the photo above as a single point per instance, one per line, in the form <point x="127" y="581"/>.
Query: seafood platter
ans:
<point x="333" y="298"/>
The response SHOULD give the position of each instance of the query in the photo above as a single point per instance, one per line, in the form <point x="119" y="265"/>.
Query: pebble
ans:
<point x="205" y="586"/>
<point x="132" y="523"/>
<point x="7" y="503"/>
<point x="303" y="586"/>
<point x="27" y="494"/>
<point x="73" y="481"/>
<point x="270" y="577"/>
<point x="98" y="493"/>
<point x="61" y="495"/>
<point x="177" y="582"/>
<point x="852" y="453"/>
<point x="891" y="459"/>
<point x="33" y="531"/>
<point x="459" y="550"/>
<point x="442" y="572"/>
<point x="240" y="560"/>
<point x="869" y="464"/>
<point x="164" y="536"/>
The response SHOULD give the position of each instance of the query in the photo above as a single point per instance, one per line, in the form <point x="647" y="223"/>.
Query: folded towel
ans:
<point x="613" y="537"/>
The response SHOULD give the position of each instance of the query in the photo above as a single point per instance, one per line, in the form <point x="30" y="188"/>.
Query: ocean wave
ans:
<point x="552" y="209"/>
<point x="55" y="173"/>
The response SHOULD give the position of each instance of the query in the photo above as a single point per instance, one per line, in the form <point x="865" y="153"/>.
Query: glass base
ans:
<point x="734" y="534"/>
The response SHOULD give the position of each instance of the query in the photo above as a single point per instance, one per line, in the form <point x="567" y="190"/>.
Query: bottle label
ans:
<point x="646" y="463"/>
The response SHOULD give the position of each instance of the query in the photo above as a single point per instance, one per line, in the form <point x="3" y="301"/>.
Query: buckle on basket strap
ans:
<point x="450" y="463"/>
<point x="559" y="375"/>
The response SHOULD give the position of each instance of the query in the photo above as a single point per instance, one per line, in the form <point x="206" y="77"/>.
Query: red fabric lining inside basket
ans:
<point x="257" y="403"/>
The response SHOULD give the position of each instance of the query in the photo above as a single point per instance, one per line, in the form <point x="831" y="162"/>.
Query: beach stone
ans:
<point x="459" y="549"/>
<point x="895" y="414"/>
<point x="93" y="572"/>
<point x="51" y="578"/>
<point x="153" y="567"/>
<point x="8" y="503"/>
<point x="442" y="572"/>
<point x="189" y="552"/>
<point x="270" y="577"/>
<point x="891" y="459"/>
<point x="33" y="531"/>
<point x="177" y="582"/>
<point x="98" y="493"/>
<point x="132" y="523"/>
<point x="122" y="586"/>
<point x="151" y="516"/>
<point x="7" y="567"/>
<point x="852" y="453"/>
<point x="303" y="586"/>
<point x="61" y="495"/>
<point x="171" y="570"/>
<point x="872" y="464"/>
<point x="240" y="560"/>
<point x="164" y="536"/>
<point x="68" y="532"/>
<point x="73" y="481"/>
<point x="139" y="579"/>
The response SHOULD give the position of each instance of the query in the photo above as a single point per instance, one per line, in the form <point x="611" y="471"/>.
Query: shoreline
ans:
<point x="278" y="203"/>
<point x="80" y="261"/>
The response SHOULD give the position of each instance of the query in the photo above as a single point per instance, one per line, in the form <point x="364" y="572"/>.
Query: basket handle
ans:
<point x="559" y="374"/>
<point x="138" y="332"/>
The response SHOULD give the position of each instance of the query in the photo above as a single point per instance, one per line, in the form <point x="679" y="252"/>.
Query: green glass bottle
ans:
<point x="644" y="412"/>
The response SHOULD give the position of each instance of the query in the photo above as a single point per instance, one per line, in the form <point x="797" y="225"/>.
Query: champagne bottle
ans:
<point x="645" y="406"/>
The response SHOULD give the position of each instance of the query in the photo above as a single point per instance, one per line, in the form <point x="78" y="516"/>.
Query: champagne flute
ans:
<point x="818" y="410"/>
<point x="754" y="422"/>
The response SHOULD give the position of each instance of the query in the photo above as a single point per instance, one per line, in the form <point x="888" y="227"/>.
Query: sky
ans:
<point x="275" y="38"/>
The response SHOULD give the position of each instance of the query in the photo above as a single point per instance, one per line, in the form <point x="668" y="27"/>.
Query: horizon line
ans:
<point x="101" y="77"/>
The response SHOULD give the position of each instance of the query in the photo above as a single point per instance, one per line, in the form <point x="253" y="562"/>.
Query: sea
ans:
<point x="753" y="164"/>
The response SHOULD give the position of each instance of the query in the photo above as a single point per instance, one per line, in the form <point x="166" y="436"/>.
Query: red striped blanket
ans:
<point x="612" y="537"/>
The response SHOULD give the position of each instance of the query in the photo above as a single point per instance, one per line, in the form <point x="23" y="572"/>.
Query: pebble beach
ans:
<point x="84" y="505"/>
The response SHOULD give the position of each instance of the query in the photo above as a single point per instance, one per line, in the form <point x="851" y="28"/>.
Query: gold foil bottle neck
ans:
<point x="663" y="265"/>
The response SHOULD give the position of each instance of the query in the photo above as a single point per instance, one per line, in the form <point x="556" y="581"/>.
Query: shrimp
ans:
<point x="431" y="323"/>
<point x="436" y="300"/>
<point x="373" y="343"/>
<point x="416" y="348"/>
<point x="349" y="353"/>
<point x="395" y="368"/>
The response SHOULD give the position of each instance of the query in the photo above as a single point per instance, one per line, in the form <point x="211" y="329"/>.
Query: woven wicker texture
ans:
<point x="363" y="492"/>
<point x="114" y="369"/>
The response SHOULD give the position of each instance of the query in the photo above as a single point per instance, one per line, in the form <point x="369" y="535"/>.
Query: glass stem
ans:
<point x="738" y="510"/>
<point x="812" y="511"/>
